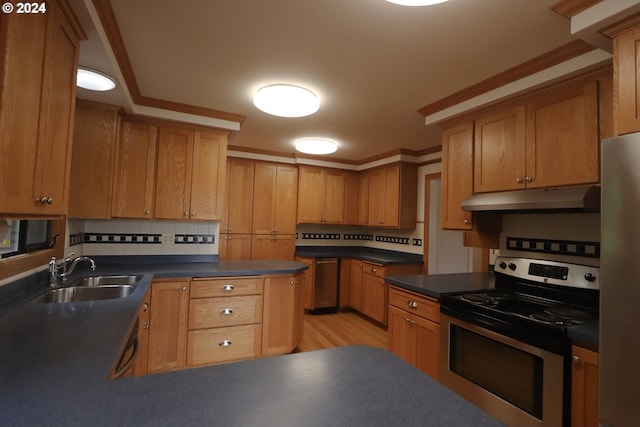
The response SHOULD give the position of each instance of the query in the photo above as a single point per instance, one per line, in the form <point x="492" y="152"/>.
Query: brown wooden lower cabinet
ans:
<point x="307" y="288"/>
<point x="414" y="329"/>
<point x="283" y="319"/>
<point x="234" y="247"/>
<point x="273" y="246"/>
<point x="584" y="388"/>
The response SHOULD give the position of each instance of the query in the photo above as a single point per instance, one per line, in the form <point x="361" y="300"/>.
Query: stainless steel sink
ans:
<point x="108" y="280"/>
<point x="85" y="293"/>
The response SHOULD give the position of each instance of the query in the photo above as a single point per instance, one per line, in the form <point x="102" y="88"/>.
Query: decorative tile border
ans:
<point x="558" y="247"/>
<point x="417" y="242"/>
<point x="320" y="236"/>
<point x="76" y="239"/>
<point x="392" y="239"/>
<point x="127" y="238"/>
<point x="198" y="239"/>
<point x="358" y="237"/>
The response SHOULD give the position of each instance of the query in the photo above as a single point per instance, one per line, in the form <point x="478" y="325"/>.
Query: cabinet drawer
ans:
<point x="377" y="270"/>
<point x="415" y="303"/>
<point x="228" y="286"/>
<point x="224" y="311"/>
<point x="207" y="346"/>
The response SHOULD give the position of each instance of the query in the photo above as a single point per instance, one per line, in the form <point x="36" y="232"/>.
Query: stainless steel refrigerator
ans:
<point x="620" y="283"/>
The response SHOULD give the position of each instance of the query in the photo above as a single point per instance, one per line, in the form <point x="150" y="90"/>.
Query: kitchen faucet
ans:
<point x="55" y="266"/>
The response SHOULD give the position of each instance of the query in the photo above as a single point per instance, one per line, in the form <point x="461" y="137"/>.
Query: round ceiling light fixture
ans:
<point x="286" y="100"/>
<point x="94" y="80"/>
<point x="316" y="146"/>
<point x="416" y="2"/>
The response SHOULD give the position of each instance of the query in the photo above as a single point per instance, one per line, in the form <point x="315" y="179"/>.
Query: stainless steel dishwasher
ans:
<point x="325" y="286"/>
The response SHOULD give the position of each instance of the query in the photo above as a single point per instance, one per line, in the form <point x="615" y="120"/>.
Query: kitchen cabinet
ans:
<point x="457" y="175"/>
<point x="93" y="160"/>
<point x="321" y="195"/>
<point x="135" y="171"/>
<point x="139" y="365"/>
<point x="307" y="287"/>
<point x="275" y="198"/>
<point x="266" y="246"/>
<point x="584" y="388"/>
<point x="225" y="320"/>
<point x="562" y="142"/>
<point x="499" y="150"/>
<point x="626" y="71"/>
<point x="414" y="329"/>
<point x="39" y="59"/>
<point x="168" y="325"/>
<point x="283" y="316"/>
<point x="393" y="192"/>
<point x="234" y="247"/>
<point x="351" y="198"/>
<point x="363" y="198"/>
<point x="355" y="284"/>
<point x="238" y="211"/>
<point x="190" y="174"/>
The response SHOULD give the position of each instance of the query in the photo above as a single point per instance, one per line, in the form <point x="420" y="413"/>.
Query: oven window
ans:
<point x="512" y="374"/>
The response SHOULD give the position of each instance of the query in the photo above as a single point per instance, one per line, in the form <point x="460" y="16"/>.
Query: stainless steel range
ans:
<point x="507" y="349"/>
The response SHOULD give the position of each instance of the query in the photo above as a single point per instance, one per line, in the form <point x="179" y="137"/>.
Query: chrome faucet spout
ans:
<point x="54" y="268"/>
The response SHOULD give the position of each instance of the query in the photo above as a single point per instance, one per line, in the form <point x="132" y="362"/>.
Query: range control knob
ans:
<point x="503" y="265"/>
<point x="512" y="266"/>
<point x="590" y="277"/>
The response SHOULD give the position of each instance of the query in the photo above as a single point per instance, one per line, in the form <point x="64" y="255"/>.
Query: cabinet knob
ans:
<point x="224" y="343"/>
<point x="373" y="270"/>
<point x="519" y="180"/>
<point x="145" y="306"/>
<point x="147" y="212"/>
<point x="226" y="311"/>
<point x="145" y="325"/>
<point x="467" y="222"/>
<point x="186" y="213"/>
<point x="228" y="288"/>
<point x="292" y="282"/>
<point x="184" y="289"/>
<point x="576" y="359"/>
<point x="193" y="213"/>
<point x="529" y="179"/>
<point x="412" y="304"/>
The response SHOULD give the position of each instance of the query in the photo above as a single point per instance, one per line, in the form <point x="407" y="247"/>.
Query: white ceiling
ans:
<point x="372" y="63"/>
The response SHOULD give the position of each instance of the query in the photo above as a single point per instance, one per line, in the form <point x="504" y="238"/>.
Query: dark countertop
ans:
<point x="61" y="355"/>
<point x="379" y="256"/>
<point x="436" y="284"/>
<point x="586" y="335"/>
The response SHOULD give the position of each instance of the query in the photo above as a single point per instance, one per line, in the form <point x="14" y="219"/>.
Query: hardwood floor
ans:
<point x="340" y="329"/>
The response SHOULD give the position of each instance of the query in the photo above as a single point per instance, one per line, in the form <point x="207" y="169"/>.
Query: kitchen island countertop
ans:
<point x="434" y="285"/>
<point x="56" y="359"/>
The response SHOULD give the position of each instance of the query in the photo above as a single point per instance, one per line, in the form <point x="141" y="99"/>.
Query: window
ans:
<point x="21" y="236"/>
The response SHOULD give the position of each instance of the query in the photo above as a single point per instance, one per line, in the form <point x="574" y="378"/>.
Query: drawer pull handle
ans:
<point x="224" y="343"/>
<point x="412" y="304"/>
<point x="373" y="270"/>
<point x="227" y="287"/>
<point x="226" y="311"/>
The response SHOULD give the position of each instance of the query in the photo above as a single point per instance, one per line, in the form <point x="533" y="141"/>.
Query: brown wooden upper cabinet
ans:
<point x="393" y="196"/>
<point x="626" y="50"/>
<point x="238" y="212"/>
<point x="321" y="195"/>
<point x="37" y="95"/>
<point x="190" y="174"/>
<point x="551" y="141"/>
<point x="274" y="198"/>
<point x="457" y="176"/>
<point x="135" y="170"/>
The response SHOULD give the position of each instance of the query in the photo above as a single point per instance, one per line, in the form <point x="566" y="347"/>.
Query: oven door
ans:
<point x="519" y="384"/>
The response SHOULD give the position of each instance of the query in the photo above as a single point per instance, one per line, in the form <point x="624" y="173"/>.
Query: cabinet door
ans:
<point x="333" y="197"/>
<point x="584" y="388"/>
<point x="351" y="198"/>
<point x="134" y="179"/>
<point x="278" y="315"/>
<point x="308" y="282"/>
<point x="239" y="197"/>
<point x="20" y="92"/>
<point x="173" y="178"/>
<point x="92" y="162"/>
<point x="626" y="50"/>
<point x="57" y="114"/>
<point x="499" y="151"/>
<point x="286" y="196"/>
<point x="235" y="247"/>
<point x="297" y="332"/>
<point x="311" y="195"/>
<point x="377" y="184"/>
<point x="355" y="288"/>
<point x="168" y="326"/>
<point x="262" y="246"/>
<point x="391" y="204"/>
<point x="264" y="200"/>
<point x="426" y="339"/>
<point x="562" y="138"/>
<point x="363" y="198"/>
<point x="284" y="247"/>
<point x="400" y="336"/>
<point x="208" y="176"/>
<point x="457" y="175"/>
<point x="374" y="298"/>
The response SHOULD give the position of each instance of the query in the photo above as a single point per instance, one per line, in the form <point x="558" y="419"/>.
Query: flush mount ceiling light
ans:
<point x="286" y="100"/>
<point x="416" y="2"/>
<point x="316" y="146"/>
<point x="94" y="80"/>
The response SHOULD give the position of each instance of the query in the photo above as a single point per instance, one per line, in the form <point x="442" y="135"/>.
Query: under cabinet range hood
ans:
<point x="572" y="198"/>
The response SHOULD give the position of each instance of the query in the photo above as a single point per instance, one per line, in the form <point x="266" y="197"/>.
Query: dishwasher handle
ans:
<point x="320" y="261"/>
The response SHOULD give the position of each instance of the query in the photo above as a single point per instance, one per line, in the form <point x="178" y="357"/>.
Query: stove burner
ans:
<point x="563" y="316"/>
<point x="485" y="298"/>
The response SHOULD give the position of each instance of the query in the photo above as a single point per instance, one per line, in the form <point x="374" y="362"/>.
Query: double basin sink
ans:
<point x="91" y="288"/>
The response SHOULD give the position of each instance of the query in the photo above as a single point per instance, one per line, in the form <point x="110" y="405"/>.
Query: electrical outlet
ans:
<point x="167" y="238"/>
